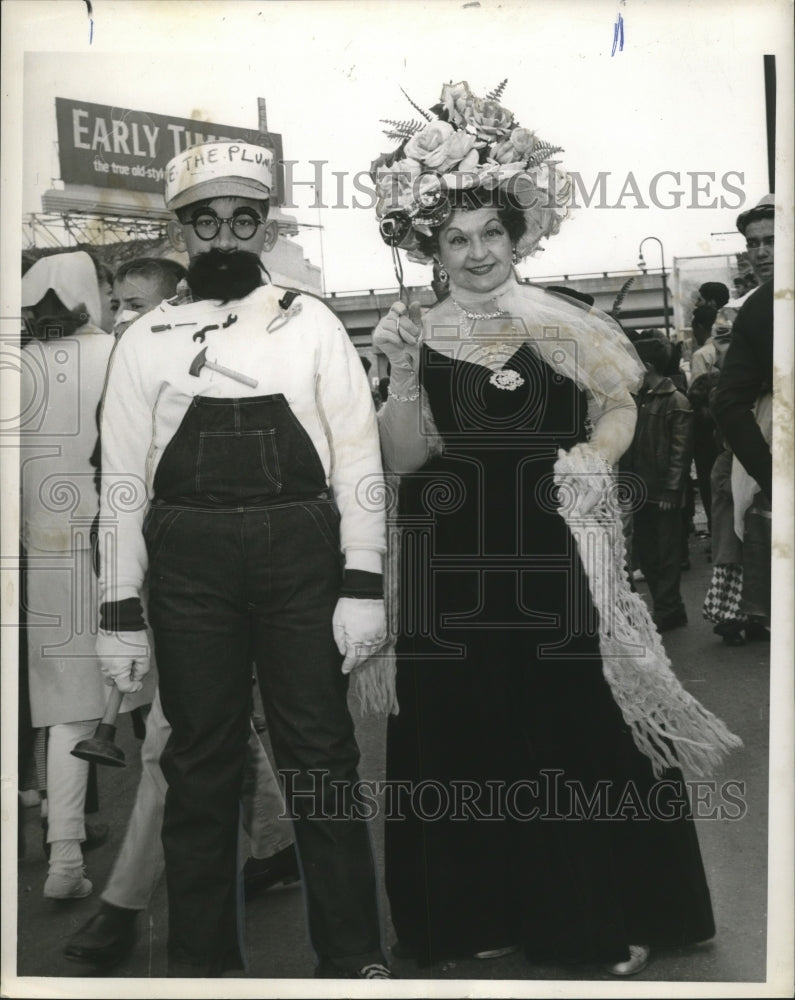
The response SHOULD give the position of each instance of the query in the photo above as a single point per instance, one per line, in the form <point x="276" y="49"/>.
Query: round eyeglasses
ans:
<point x="243" y="223"/>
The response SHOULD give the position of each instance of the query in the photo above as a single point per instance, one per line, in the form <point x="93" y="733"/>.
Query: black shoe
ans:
<point x="107" y="938"/>
<point x="733" y="638"/>
<point x="260" y="874"/>
<point x="96" y="835"/>
<point x="729" y="626"/>
<point x="373" y="970"/>
<point x="376" y="970"/>
<point x="675" y="620"/>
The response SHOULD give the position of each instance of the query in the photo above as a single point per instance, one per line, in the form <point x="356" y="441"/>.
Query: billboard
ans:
<point x="111" y="147"/>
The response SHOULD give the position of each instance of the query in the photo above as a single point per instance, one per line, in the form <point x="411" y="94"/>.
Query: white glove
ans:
<point x="397" y="335"/>
<point x="123" y="658"/>
<point x="359" y="626"/>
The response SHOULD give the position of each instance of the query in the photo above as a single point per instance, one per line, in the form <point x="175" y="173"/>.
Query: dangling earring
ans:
<point x="515" y="256"/>
<point x="441" y="274"/>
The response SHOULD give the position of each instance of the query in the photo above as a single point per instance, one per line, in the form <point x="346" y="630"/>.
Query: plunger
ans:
<point x="101" y="748"/>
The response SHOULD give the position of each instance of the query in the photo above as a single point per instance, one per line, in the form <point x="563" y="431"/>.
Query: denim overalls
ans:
<point x="245" y="565"/>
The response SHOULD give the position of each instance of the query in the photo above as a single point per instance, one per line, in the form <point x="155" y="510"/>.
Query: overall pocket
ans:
<point x="246" y="461"/>
<point x="157" y="526"/>
<point x="325" y="519"/>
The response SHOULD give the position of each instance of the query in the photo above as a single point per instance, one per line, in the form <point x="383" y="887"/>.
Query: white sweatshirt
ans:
<point x="309" y="359"/>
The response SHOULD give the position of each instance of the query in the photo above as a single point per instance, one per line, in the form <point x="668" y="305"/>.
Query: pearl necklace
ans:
<point x="473" y="315"/>
<point x="493" y="349"/>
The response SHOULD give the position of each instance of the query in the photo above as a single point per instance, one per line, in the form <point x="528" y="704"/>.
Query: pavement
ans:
<point x="733" y="828"/>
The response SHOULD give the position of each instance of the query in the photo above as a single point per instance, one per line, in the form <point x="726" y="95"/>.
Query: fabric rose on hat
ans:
<point x="543" y="195"/>
<point x="456" y="97"/>
<point x="517" y="147"/>
<point x="395" y="186"/>
<point x="489" y="119"/>
<point x="522" y="140"/>
<point x="466" y="174"/>
<point x="427" y="141"/>
<point x="557" y="185"/>
<point x="439" y="146"/>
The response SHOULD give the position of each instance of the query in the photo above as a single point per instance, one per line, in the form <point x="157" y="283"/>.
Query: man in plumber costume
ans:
<point x="240" y="472"/>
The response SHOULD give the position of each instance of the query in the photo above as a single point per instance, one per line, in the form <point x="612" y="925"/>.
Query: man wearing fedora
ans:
<point x="239" y="452"/>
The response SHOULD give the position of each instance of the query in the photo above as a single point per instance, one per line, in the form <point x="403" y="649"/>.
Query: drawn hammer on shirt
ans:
<point x="200" y="361"/>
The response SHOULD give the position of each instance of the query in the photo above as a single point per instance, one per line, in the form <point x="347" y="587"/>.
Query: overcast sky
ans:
<point x="685" y="95"/>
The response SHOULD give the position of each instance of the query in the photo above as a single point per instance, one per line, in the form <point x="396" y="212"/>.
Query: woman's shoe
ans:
<point x="497" y="952"/>
<point x="637" y="961"/>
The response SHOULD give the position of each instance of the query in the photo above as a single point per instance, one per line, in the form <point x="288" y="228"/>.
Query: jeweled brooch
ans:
<point x="509" y="380"/>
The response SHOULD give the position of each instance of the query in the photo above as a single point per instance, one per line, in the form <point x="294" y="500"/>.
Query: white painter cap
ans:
<point x="226" y="169"/>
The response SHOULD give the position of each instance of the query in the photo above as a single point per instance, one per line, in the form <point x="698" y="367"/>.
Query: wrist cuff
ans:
<point x="122" y="616"/>
<point x="362" y="584"/>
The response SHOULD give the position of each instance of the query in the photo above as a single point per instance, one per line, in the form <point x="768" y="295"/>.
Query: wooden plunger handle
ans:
<point x="112" y="707"/>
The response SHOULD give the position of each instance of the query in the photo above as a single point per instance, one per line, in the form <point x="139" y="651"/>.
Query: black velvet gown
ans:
<point x="507" y="728"/>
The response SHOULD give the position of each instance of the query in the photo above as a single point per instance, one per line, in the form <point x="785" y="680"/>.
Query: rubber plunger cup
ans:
<point x="101" y="748"/>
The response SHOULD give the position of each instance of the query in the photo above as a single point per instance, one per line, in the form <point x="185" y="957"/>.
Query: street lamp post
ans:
<point x="642" y="266"/>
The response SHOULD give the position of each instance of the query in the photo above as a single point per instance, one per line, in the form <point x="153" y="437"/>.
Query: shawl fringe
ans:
<point x="668" y="724"/>
<point x="374" y="684"/>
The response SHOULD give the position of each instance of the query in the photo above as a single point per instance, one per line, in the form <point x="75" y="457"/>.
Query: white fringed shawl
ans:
<point x="668" y="724"/>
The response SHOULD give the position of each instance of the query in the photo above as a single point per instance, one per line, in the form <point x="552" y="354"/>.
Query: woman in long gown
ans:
<point x="528" y="814"/>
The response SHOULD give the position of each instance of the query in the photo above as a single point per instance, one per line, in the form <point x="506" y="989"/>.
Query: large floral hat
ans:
<point x="465" y="143"/>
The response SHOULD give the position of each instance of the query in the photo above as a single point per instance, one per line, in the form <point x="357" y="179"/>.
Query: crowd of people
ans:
<point x="699" y="417"/>
<point x="219" y="507"/>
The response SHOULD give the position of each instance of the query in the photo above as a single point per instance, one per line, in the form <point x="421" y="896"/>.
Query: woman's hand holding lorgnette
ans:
<point x="397" y="335"/>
